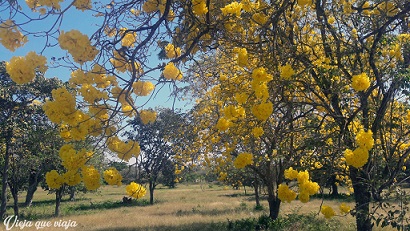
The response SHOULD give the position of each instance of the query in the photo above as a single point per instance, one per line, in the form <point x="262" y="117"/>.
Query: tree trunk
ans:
<point x="362" y="199"/>
<point x="335" y="191"/>
<point x="273" y="201"/>
<point x="151" y="192"/>
<point x="59" y="195"/>
<point x="14" y="193"/>
<point x="5" y="177"/>
<point x="256" y="188"/>
<point x="32" y="188"/>
<point x="72" y="193"/>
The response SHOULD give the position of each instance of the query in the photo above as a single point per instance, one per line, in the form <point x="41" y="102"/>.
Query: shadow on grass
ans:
<point x="73" y="209"/>
<point x="46" y="202"/>
<point x="187" y="227"/>
<point x="104" y="205"/>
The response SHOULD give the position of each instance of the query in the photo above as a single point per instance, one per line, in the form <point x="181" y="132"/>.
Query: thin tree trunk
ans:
<point x="5" y="176"/>
<point x="256" y="188"/>
<point x="335" y="191"/>
<point x="151" y="191"/>
<point x="72" y="193"/>
<point x="14" y="193"/>
<point x="59" y="195"/>
<point x="32" y="188"/>
<point x="273" y="201"/>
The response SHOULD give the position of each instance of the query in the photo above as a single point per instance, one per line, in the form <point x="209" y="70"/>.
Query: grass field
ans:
<point x="192" y="207"/>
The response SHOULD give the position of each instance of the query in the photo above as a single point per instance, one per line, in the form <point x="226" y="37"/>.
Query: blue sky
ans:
<point x="73" y="19"/>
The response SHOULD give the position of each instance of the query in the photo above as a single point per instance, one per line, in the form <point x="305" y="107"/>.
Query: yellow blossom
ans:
<point x="286" y="72"/>
<point x="243" y="159"/>
<point x="23" y="69"/>
<point x="171" y="51"/>
<point x="10" y="37"/>
<point x="199" y="7"/>
<point x="91" y="177"/>
<point x="53" y="179"/>
<point x="360" y="82"/>
<point x="262" y="111"/>
<point x="112" y="176"/>
<point x="143" y="88"/>
<point x="291" y="174"/>
<point x="327" y="211"/>
<point x="171" y="72"/>
<point x="344" y="208"/>
<point x="285" y="194"/>
<point x="135" y="190"/>
<point x="148" y="116"/>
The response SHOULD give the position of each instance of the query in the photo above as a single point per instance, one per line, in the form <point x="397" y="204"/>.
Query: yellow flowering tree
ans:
<point x="247" y="119"/>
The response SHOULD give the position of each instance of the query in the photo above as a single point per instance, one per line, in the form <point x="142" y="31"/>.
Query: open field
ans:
<point x="184" y="208"/>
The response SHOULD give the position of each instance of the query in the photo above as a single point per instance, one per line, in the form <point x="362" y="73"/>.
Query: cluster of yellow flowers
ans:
<point x="360" y="82"/>
<point x="91" y="177"/>
<point x="223" y="124"/>
<point x="150" y="6"/>
<point x="286" y="72"/>
<point x="62" y="107"/>
<point x="242" y="56"/>
<point x="154" y="5"/>
<point x="91" y="94"/>
<point x="129" y="38"/>
<point x="148" y="116"/>
<point x="306" y="186"/>
<point x="328" y="211"/>
<point x="257" y="132"/>
<point x="135" y="190"/>
<point x="73" y="160"/>
<point x="243" y="159"/>
<point x="171" y="72"/>
<point x="82" y="4"/>
<point x="75" y="124"/>
<point x="233" y="113"/>
<point x="260" y="75"/>
<point x="10" y="37"/>
<point x="262" y="111"/>
<point x="49" y="3"/>
<point x="285" y="193"/>
<point x="54" y="180"/>
<point x="360" y="155"/>
<point x="232" y="8"/>
<point x="113" y="177"/>
<point x="71" y="177"/>
<point x="171" y="51"/>
<point x="78" y="45"/>
<point x="260" y="18"/>
<point x="23" y="69"/>
<point x="143" y="88"/>
<point x="124" y="150"/>
<point x="96" y="76"/>
<point x="199" y="7"/>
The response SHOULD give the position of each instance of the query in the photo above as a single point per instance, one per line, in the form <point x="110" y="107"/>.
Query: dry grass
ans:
<point x="191" y="207"/>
